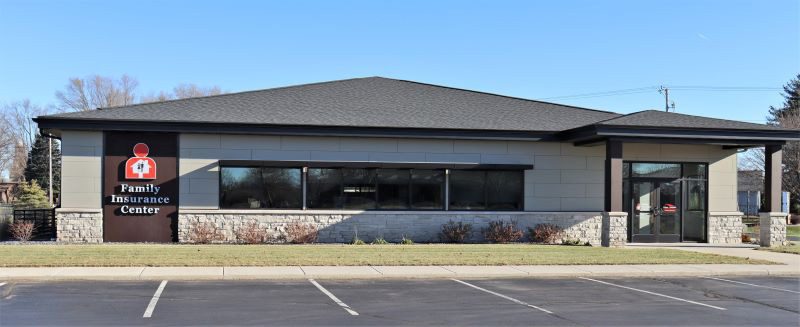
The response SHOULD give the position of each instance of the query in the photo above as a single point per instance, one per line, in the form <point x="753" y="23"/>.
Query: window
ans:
<point x="486" y="190"/>
<point x="504" y="190"/>
<point x="427" y="189"/>
<point x="358" y="190"/>
<point x="660" y="170"/>
<point x="324" y="188"/>
<point x="694" y="171"/>
<point x="394" y="188"/>
<point x="467" y="190"/>
<point x="260" y="188"/>
<point x="369" y="188"/>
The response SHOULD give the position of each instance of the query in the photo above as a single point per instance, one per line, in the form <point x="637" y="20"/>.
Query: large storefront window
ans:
<point x="261" y="187"/>
<point x="370" y="188"/>
<point x="486" y="190"/>
<point x="366" y="189"/>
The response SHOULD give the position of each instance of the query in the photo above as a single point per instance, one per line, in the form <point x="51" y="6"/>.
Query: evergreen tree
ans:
<point x="37" y="169"/>
<point x="791" y="103"/>
<point x="788" y="116"/>
<point x="31" y="196"/>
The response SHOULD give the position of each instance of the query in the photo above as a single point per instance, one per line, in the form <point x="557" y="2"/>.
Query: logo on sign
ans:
<point x="140" y="166"/>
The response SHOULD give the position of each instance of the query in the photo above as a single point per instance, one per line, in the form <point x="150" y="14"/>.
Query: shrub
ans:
<point x="746" y="238"/>
<point x="357" y="241"/>
<point x="22" y="230"/>
<point x="380" y="241"/>
<point x="204" y="233"/>
<point x="795" y="219"/>
<point x="546" y="233"/>
<point x="298" y="233"/>
<point x="406" y="241"/>
<point x="31" y="196"/>
<point x="250" y="233"/>
<point x="455" y="232"/>
<point x="572" y="242"/>
<point x="502" y="231"/>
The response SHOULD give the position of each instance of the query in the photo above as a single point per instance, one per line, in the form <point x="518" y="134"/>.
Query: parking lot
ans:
<point x="763" y="301"/>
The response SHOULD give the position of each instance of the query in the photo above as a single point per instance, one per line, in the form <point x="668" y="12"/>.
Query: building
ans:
<point x="390" y="158"/>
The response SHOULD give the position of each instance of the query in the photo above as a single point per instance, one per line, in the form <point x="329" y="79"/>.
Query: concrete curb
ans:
<point x="389" y="272"/>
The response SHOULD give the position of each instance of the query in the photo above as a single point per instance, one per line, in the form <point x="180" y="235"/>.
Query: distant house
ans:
<point x="7" y="192"/>
<point x="750" y="186"/>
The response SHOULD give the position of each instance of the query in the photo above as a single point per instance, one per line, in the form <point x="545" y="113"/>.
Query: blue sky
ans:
<point x="531" y="49"/>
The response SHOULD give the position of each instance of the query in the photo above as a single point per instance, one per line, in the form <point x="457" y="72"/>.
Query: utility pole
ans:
<point x="665" y="91"/>
<point x="50" y="168"/>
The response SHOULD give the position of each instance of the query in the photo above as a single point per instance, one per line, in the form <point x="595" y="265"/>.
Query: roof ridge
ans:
<point x="499" y="95"/>
<point x="692" y="115"/>
<point x="229" y="94"/>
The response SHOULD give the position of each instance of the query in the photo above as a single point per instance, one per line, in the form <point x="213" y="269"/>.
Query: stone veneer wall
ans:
<point x="341" y="227"/>
<point x="79" y="225"/>
<point x="772" y="231"/>
<point x="614" y="229"/>
<point x="725" y="227"/>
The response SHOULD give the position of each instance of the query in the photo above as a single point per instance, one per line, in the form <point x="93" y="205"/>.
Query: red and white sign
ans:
<point x="670" y="208"/>
<point x="140" y="166"/>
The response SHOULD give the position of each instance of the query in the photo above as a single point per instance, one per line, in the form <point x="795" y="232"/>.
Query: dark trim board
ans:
<point x="257" y="129"/>
<point x="583" y="136"/>
<point x="367" y="164"/>
<point x="593" y="134"/>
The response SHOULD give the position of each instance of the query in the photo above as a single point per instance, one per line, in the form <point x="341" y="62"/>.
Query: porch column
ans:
<point x="615" y="221"/>
<point x="772" y="230"/>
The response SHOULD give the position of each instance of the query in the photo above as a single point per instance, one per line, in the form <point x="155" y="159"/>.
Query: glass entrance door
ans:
<point x="656" y="210"/>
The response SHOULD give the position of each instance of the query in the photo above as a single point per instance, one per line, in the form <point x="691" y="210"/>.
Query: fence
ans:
<point x="6" y="217"/>
<point x="750" y="202"/>
<point x="43" y="219"/>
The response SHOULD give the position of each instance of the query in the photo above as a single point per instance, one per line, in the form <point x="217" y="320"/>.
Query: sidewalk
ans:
<point x="790" y="266"/>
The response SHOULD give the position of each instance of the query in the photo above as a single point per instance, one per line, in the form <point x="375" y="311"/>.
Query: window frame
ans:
<point x="220" y="189"/>
<point x="520" y="199"/>
<point x="445" y="185"/>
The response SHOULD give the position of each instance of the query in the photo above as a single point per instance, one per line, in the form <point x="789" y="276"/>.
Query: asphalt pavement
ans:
<point x="576" y="301"/>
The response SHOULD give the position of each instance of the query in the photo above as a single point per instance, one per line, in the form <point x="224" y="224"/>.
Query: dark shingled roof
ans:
<point x="656" y="118"/>
<point x="361" y="102"/>
<point x="391" y="105"/>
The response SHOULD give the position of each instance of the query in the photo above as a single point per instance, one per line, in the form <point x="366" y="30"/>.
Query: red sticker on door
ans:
<point x="669" y="208"/>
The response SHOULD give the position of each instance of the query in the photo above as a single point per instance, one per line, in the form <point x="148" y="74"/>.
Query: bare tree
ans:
<point x="183" y="91"/>
<point x="17" y="134"/>
<point x="754" y="159"/>
<point x="791" y="155"/>
<point x="83" y="94"/>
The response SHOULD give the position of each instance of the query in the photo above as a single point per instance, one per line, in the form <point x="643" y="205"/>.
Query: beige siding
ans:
<point x="81" y="169"/>
<point x="722" y="167"/>
<point x="565" y="178"/>
<point x="569" y="178"/>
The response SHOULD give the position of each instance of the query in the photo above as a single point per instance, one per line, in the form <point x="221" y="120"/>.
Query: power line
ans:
<point x="656" y="88"/>
<point x="606" y="93"/>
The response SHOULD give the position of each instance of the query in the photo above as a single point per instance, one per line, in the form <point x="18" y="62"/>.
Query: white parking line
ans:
<point x="152" y="306"/>
<point x="503" y="296"/>
<point x="334" y="298"/>
<point x="754" y="285"/>
<point x="2" y="284"/>
<point x="654" y="293"/>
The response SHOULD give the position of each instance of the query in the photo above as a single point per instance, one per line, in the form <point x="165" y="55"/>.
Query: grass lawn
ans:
<point x="793" y="249"/>
<point x="342" y="255"/>
<point x="793" y="230"/>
